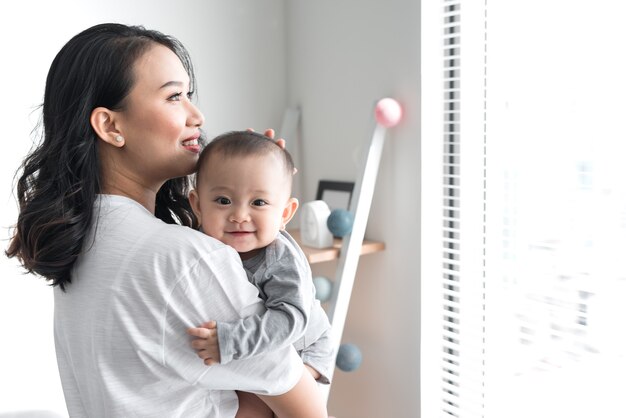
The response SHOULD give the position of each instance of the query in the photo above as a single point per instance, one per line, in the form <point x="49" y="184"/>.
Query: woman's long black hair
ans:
<point x="60" y="178"/>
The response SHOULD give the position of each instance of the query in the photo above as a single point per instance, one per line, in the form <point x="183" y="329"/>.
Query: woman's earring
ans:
<point x="119" y="139"/>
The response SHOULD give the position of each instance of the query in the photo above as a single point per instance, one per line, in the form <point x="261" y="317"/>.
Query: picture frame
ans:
<point x="336" y="194"/>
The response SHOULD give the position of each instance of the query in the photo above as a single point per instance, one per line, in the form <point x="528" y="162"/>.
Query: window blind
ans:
<point x="451" y="333"/>
<point x="462" y="361"/>
<point x="461" y="138"/>
<point x="523" y="204"/>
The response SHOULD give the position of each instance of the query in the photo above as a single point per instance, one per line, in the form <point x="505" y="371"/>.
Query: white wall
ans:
<point x="342" y="57"/>
<point x="238" y="51"/>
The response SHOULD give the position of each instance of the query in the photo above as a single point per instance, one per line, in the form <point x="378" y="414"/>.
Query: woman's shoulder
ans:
<point x="182" y="256"/>
<point x="128" y="220"/>
<point x="186" y="238"/>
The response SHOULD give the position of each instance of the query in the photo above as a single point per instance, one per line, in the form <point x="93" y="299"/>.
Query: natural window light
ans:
<point x="534" y="215"/>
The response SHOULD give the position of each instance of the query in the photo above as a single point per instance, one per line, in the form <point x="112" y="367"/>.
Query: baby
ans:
<point x="243" y="198"/>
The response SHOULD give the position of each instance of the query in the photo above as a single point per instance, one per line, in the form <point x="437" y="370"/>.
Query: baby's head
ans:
<point x="242" y="192"/>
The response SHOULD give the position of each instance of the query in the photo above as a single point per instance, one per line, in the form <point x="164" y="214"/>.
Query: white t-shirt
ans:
<point x="120" y="337"/>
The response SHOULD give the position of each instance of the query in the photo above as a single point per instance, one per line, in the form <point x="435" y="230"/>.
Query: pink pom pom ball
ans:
<point x="388" y="112"/>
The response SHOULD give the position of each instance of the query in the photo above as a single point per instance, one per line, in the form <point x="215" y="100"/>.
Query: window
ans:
<point x="524" y="209"/>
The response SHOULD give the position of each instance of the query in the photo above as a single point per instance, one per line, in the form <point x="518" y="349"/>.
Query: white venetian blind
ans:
<point x="459" y="238"/>
<point x="523" y="209"/>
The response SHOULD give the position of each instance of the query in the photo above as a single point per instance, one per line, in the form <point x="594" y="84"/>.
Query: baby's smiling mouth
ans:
<point x="239" y="232"/>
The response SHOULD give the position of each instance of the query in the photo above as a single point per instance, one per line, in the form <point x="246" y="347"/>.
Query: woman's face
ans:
<point x="159" y="123"/>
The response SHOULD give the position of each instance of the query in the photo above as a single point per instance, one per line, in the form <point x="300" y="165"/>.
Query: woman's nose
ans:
<point x="195" y="118"/>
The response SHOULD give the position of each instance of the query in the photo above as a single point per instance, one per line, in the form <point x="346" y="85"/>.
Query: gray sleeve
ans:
<point x="287" y="289"/>
<point x="319" y="350"/>
<point x="321" y="356"/>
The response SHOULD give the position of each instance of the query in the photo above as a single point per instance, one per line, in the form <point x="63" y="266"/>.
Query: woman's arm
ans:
<point x="304" y="400"/>
<point x="215" y="286"/>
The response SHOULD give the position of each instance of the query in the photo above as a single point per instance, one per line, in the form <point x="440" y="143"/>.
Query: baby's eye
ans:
<point x="259" y="202"/>
<point x="223" y="200"/>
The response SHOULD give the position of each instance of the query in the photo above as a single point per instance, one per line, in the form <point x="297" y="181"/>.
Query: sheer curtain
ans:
<point x="524" y="208"/>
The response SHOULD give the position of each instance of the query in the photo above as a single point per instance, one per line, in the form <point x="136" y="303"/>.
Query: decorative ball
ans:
<point x="323" y="288"/>
<point x="340" y="222"/>
<point x="388" y="112"/>
<point x="349" y="357"/>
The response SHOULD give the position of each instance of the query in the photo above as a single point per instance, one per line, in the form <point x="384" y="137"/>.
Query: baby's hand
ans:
<point x="206" y="344"/>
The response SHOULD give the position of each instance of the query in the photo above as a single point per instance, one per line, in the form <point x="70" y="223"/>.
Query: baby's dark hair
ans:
<point x="243" y="144"/>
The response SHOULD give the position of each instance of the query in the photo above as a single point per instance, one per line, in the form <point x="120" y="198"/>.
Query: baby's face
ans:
<point x="242" y="201"/>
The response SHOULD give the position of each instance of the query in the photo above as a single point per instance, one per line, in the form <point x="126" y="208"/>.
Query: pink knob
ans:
<point x="388" y="112"/>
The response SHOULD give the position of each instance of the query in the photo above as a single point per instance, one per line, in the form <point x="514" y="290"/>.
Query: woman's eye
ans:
<point x="223" y="200"/>
<point x="175" y="97"/>
<point x="259" y="202"/>
<point x="190" y="95"/>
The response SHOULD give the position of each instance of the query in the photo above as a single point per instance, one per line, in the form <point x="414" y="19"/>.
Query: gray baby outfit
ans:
<point x="294" y="316"/>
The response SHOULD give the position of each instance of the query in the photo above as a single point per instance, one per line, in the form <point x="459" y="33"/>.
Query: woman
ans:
<point x="100" y="202"/>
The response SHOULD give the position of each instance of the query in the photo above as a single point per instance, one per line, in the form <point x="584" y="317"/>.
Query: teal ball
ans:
<point x="340" y="222"/>
<point x="349" y="357"/>
<point x="323" y="288"/>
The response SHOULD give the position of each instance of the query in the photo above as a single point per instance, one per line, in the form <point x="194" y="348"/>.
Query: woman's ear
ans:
<point x="290" y="209"/>
<point x="194" y="201"/>
<point x="103" y="123"/>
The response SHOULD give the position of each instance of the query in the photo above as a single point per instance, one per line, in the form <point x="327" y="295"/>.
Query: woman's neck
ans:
<point x="146" y="197"/>
<point x="119" y="179"/>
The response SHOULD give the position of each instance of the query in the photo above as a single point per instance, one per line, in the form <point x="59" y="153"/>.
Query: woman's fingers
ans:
<point x="270" y="133"/>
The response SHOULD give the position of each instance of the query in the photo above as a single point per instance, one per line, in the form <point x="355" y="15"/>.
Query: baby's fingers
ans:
<point x="210" y="361"/>
<point x="210" y="325"/>
<point x="204" y="355"/>
<point x="200" y="332"/>
<point x="200" y="344"/>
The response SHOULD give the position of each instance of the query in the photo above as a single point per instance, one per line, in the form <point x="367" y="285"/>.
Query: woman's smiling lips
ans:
<point x="192" y="143"/>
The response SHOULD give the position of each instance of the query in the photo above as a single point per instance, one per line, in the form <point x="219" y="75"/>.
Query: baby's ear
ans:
<point x="194" y="201"/>
<point x="290" y="209"/>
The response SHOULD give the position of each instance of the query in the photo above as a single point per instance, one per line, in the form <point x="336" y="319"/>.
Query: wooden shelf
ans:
<point x="319" y="255"/>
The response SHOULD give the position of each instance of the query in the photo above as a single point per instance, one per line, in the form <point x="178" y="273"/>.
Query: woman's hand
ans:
<point x="280" y="141"/>
<point x="270" y="134"/>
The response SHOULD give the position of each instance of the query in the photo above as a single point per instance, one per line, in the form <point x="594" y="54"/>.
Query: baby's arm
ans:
<point x="288" y="296"/>
<point x="281" y="325"/>
<point x="287" y="289"/>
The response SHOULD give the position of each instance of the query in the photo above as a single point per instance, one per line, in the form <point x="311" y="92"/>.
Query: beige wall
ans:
<point x="341" y="58"/>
